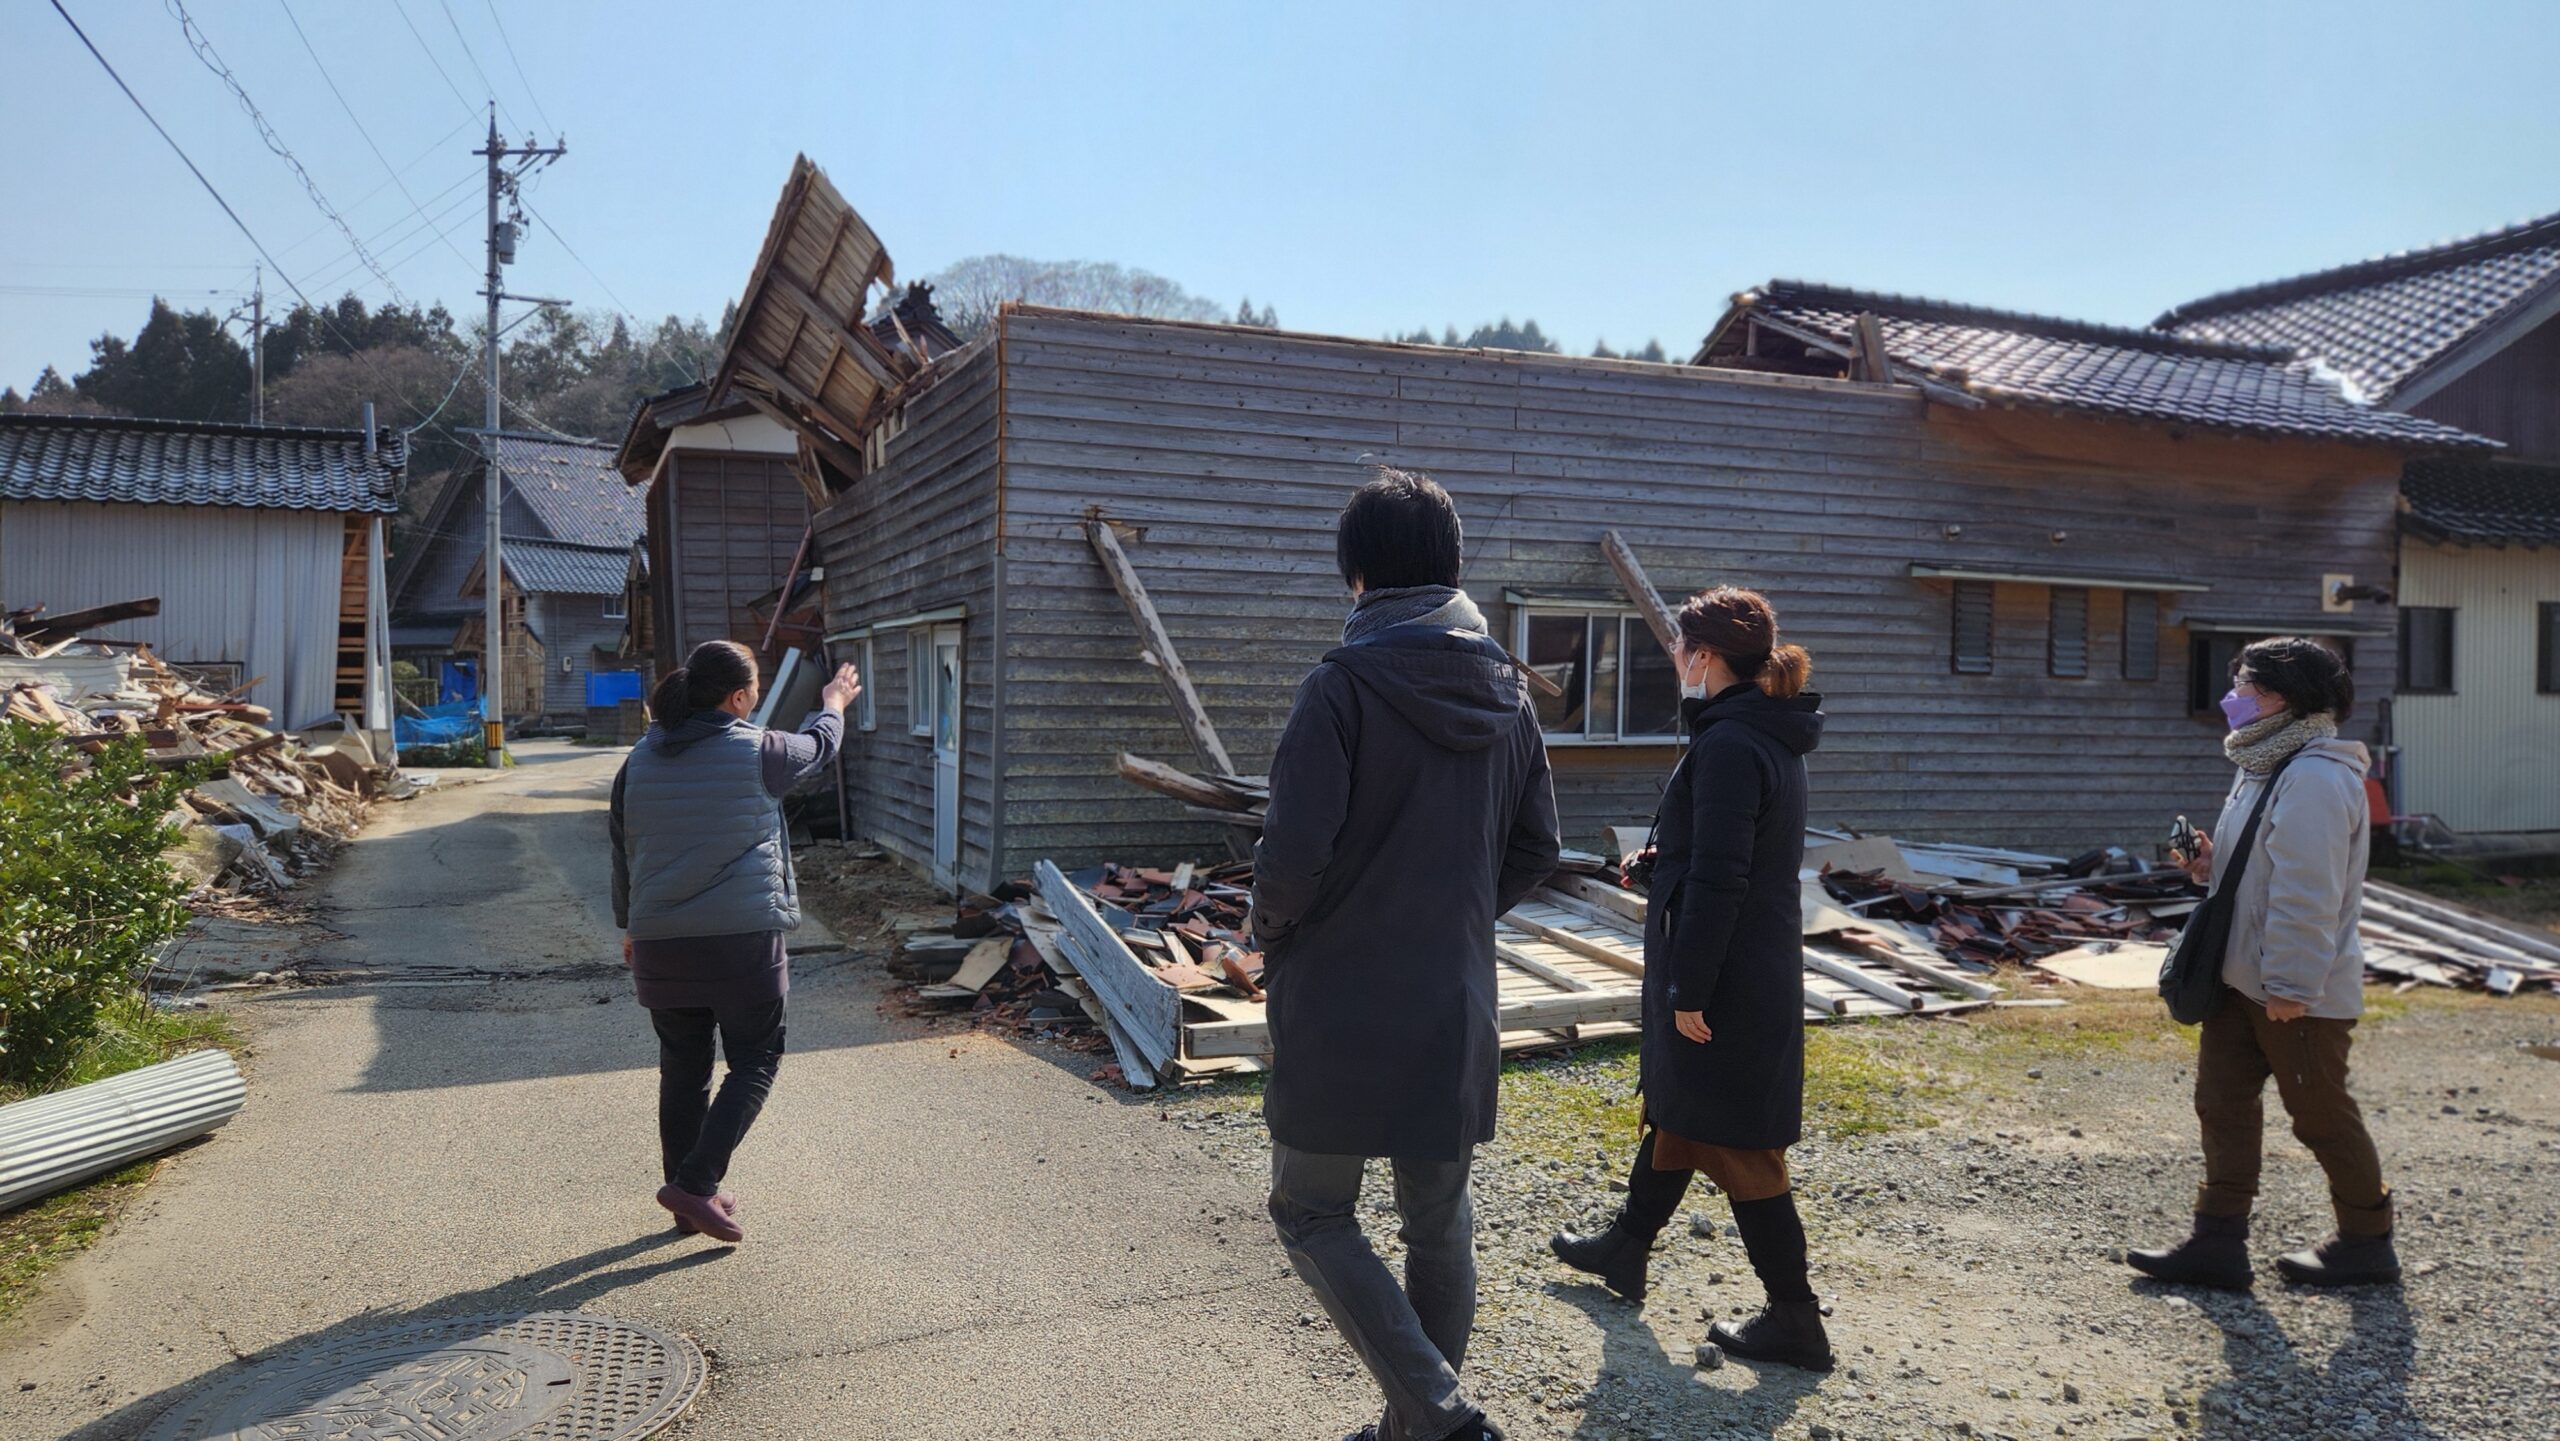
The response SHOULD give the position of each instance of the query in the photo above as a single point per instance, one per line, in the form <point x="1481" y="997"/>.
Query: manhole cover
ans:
<point x="548" y="1376"/>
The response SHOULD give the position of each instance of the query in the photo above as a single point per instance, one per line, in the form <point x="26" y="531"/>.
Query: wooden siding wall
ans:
<point x="1227" y="452"/>
<point x="2512" y="396"/>
<point x="919" y="535"/>
<point x="572" y="626"/>
<point x="737" y="520"/>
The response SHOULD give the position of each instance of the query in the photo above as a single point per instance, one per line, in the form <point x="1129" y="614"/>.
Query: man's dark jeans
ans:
<point x="696" y="1134"/>
<point x="1413" y="1338"/>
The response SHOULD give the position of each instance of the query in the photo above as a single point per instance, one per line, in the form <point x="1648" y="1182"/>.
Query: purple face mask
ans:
<point x="2239" y="709"/>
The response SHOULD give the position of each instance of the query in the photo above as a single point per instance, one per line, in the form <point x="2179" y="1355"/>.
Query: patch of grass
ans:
<point x="34" y="1239"/>
<point x="131" y="1033"/>
<point x="1863" y="1078"/>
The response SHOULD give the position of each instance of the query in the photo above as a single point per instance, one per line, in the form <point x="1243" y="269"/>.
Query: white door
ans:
<point x="946" y="753"/>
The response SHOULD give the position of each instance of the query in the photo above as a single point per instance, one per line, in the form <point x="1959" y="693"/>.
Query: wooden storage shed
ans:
<point x="2021" y="551"/>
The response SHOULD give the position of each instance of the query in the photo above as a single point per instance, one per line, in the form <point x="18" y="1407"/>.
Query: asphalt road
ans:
<point x="948" y="1237"/>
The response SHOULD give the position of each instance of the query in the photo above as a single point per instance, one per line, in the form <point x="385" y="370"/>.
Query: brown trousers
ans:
<point x="2240" y="1049"/>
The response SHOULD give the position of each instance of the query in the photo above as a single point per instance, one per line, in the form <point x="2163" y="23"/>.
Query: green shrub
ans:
<point x="85" y="898"/>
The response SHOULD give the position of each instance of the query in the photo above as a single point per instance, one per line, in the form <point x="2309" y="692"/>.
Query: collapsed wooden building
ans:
<point x="2022" y="550"/>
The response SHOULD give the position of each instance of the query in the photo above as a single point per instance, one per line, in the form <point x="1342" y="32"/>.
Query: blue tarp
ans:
<point x="459" y="681"/>
<point x="607" y="687"/>
<point x="441" y="725"/>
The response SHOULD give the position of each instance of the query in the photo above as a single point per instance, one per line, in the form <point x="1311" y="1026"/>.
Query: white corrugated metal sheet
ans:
<point x="255" y="587"/>
<point x="58" y="1140"/>
<point x="2487" y="757"/>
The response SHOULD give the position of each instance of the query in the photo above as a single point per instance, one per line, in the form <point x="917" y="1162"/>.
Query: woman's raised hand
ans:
<point x="841" y="690"/>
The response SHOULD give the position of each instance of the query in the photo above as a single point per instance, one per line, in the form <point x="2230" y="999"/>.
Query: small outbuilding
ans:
<point x="263" y="543"/>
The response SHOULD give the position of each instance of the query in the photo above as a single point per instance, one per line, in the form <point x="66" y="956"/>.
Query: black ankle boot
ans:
<point x="1787" y="1332"/>
<point x="2216" y="1255"/>
<point x="2344" y="1261"/>
<point x="1619" y="1256"/>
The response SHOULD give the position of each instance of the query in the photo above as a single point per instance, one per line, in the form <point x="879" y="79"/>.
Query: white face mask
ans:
<point x="1697" y="691"/>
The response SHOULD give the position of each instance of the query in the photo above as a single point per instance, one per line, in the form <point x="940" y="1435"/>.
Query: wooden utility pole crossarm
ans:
<point x="1177" y="681"/>
<point x="1657" y="616"/>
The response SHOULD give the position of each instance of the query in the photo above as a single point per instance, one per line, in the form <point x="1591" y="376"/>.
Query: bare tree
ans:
<point x="970" y="292"/>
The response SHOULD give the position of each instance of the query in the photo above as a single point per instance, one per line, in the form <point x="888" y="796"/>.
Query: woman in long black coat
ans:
<point x="1723" y="1049"/>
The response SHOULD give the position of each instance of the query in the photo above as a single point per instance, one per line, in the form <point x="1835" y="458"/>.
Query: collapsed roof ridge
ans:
<point x="2394" y="265"/>
<point x="2051" y="327"/>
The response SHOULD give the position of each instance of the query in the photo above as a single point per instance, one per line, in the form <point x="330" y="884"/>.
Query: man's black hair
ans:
<point x="1401" y="529"/>
<point x="2309" y="675"/>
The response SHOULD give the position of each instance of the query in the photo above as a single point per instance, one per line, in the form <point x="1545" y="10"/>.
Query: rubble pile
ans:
<point x="273" y="806"/>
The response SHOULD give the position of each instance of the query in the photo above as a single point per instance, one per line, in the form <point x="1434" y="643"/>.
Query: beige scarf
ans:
<point x="2262" y="744"/>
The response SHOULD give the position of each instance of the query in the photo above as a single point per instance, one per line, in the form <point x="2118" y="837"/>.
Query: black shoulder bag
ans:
<point x="2191" y="976"/>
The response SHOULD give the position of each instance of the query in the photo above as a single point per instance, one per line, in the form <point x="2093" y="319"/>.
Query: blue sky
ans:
<point x="1612" y="170"/>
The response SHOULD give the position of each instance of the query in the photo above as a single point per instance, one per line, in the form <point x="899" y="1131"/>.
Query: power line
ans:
<point x="475" y="62"/>
<point x="538" y="111"/>
<point x="203" y="46"/>
<point x="468" y="108"/>
<point x="209" y="189"/>
<point x="352" y="118"/>
<point x="690" y="374"/>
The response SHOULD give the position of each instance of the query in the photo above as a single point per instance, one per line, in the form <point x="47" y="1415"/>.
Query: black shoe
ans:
<point x="1619" y="1256"/>
<point x="2216" y="1255"/>
<point x="1787" y="1332"/>
<point x="1478" y="1429"/>
<point x="2344" y="1261"/>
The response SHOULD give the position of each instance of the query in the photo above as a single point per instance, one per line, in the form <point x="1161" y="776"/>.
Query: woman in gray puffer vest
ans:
<point x="703" y="889"/>
<point x="2293" y="976"/>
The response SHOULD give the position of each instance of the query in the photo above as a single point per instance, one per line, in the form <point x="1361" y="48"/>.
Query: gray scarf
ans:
<point x="2262" y="744"/>
<point x="1439" y="607"/>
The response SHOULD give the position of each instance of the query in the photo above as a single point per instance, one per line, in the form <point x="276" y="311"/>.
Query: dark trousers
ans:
<point x="1764" y="1208"/>
<point x="2239" y="1050"/>
<point x="697" y="1134"/>
<point x="1413" y="1338"/>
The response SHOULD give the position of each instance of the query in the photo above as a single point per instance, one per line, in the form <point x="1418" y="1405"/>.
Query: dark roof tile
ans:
<point x="116" y="460"/>
<point x="2483" y="502"/>
<point x="2108" y="370"/>
<point x="2380" y="322"/>
<point x="574" y="490"/>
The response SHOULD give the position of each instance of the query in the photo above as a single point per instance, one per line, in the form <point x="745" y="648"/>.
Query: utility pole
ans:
<point x="257" y="347"/>
<point x="502" y="252"/>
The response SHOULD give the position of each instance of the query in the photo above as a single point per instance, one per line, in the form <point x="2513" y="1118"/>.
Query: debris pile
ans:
<point x="272" y="807"/>
<point x="2108" y="919"/>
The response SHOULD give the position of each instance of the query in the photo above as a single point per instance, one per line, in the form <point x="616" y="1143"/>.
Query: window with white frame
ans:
<point x="1617" y="686"/>
<point x="919" y="681"/>
<point x="617" y="606"/>
<point x="865" y="714"/>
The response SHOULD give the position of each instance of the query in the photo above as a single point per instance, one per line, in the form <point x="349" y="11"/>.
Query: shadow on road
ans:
<point x="2271" y="1384"/>
<point x="562" y="1286"/>
<point x="1631" y="1348"/>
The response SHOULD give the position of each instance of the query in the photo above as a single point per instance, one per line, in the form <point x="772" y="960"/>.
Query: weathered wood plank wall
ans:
<point x="919" y="535"/>
<point x="2512" y="396"/>
<point x="737" y="520"/>
<point x="1225" y="453"/>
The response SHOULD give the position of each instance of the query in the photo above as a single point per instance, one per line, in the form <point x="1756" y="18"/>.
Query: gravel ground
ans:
<point x="1969" y="1201"/>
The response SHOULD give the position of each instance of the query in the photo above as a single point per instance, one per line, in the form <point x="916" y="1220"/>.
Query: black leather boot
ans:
<point x="2216" y="1255"/>
<point x="2344" y="1261"/>
<point x="1787" y="1332"/>
<point x="1619" y="1256"/>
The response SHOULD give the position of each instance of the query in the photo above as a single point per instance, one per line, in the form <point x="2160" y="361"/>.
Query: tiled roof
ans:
<point x="2483" y="502"/>
<point x="2016" y="358"/>
<point x="574" y="491"/>
<point x="2380" y="322"/>
<point x="178" y="462"/>
<point x="547" y="569"/>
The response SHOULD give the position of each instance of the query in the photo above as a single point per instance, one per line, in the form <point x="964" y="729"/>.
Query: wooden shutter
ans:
<point x="2142" y="635"/>
<point x="1969" y="652"/>
<point x="2067" y="635"/>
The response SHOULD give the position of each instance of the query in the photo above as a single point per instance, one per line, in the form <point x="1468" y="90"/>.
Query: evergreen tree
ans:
<point x="179" y="366"/>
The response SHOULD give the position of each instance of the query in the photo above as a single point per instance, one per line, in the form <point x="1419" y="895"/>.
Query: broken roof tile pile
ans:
<point x="273" y="807"/>
<point x="2383" y="323"/>
<point x="2482" y="502"/>
<point x="2017" y="358"/>
<point x="117" y="461"/>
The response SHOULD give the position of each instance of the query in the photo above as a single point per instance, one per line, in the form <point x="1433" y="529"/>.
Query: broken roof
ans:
<point x="803" y="349"/>
<point x="121" y="461"/>
<point x="2388" y="322"/>
<point x="2482" y="502"/>
<point x="2019" y="359"/>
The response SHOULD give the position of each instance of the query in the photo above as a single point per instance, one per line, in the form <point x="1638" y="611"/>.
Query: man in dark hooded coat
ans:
<point x="1410" y="806"/>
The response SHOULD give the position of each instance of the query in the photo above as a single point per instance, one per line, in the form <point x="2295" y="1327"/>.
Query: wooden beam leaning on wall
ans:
<point x="1639" y="588"/>
<point x="1177" y="681"/>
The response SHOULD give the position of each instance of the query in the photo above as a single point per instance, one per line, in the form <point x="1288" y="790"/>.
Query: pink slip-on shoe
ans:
<point x="700" y="1214"/>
